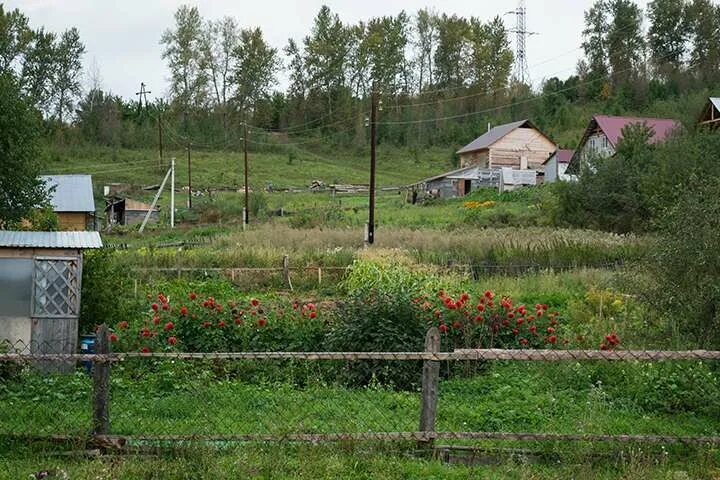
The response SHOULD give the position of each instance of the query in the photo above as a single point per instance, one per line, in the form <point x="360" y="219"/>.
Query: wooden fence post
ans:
<point x="430" y="381"/>
<point x="101" y="384"/>
<point x="319" y="276"/>
<point x="286" y="271"/>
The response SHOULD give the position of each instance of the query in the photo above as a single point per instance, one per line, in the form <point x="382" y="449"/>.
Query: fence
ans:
<point x="140" y="399"/>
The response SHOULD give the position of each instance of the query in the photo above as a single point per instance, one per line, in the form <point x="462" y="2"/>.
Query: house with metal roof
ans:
<point x="710" y="116"/>
<point x="71" y="197"/>
<point x="604" y="132"/>
<point x="517" y="145"/>
<point x="556" y="166"/>
<point x="40" y="285"/>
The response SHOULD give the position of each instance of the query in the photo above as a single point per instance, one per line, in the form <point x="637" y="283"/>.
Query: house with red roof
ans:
<point x="603" y="133"/>
<point x="556" y="165"/>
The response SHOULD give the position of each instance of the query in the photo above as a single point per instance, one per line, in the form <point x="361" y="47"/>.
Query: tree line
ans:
<point x="442" y="78"/>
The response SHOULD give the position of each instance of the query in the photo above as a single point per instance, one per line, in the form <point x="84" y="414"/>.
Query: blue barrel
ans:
<point x="87" y="345"/>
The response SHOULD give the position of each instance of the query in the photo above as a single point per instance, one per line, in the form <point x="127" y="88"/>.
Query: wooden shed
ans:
<point x="518" y="145"/>
<point x="125" y="211"/>
<point x="710" y="116"/>
<point x="71" y="197"/>
<point x="40" y="283"/>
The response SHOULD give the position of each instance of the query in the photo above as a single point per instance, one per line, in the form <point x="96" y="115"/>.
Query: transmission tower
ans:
<point x="142" y="95"/>
<point x="522" y="73"/>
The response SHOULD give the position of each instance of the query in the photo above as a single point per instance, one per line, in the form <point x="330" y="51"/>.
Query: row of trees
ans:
<point x="47" y="66"/>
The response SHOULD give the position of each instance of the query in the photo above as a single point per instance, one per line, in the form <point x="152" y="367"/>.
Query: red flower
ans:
<point x="113" y="337"/>
<point x="510" y="315"/>
<point x="145" y="350"/>
<point x="145" y="332"/>
<point x="313" y="314"/>
<point x="238" y="321"/>
<point x="551" y="330"/>
<point x="172" y="340"/>
<point x="443" y="328"/>
<point x="166" y="306"/>
<point x="464" y="297"/>
<point x="262" y="322"/>
<point x="544" y="306"/>
<point x="311" y="306"/>
<point x="123" y="325"/>
<point x="523" y="341"/>
<point x="515" y="331"/>
<point x="155" y="306"/>
<point x="506" y="323"/>
<point x="218" y="307"/>
<point x="295" y="305"/>
<point x="519" y="321"/>
<point x="488" y="294"/>
<point x="457" y="324"/>
<point x="478" y="318"/>
<point x="156" y="319"/>
<point x="603" y="346"/>
<point x="490" y="303"/>
<point x="481" y="307"/>
<point x="437" y="313"/>
<point x="206" y="324"/>
<point x="192" y="295"/>
<point x="221" y="324"/>
<point x="552" y="339"/>
<point x="169" y="326"/>
<point x="254" y="302"/>
<point x="183" y="311"/>
<point x="540" y="313"/>
<point x="533" y="328"/>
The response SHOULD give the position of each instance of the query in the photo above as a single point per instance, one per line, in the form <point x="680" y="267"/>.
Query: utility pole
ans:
<point x="246" y="210"/>
<point x="373" y="143"/>
<point x="189" y="178"/>
<point x="160" y="143"/>
<point x="172" y="193"/>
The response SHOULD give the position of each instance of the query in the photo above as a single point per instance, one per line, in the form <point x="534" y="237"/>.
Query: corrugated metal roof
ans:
<point x="73" y="193"/>
<point x="715" y="101"/>
<point x="50" y="239"/>
<point x="492" y="136"/>
<point x="456" y="172"/>
<point x="612" y="127"/>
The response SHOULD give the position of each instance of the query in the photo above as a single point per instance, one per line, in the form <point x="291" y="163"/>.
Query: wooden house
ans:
<point x="603" y="133"/>
<point x="710" y="116"/>
<point x="71" y="197"/>
<point x="518" y="145"/>
<point x="556" y="165"/>
<point x="125" y="211"/>
<point x="40" y="284"/>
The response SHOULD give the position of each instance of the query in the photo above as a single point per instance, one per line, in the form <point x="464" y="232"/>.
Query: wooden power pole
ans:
<point x="160" y="143"/>
<point x="373" y="143"/>
<point x="246" y="215"/>
<point x="189" y="178"/>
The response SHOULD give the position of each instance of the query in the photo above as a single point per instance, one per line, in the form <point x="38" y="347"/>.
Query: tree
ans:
<point x="184" y="54"/>
<point x="20" y="188"/>
<point x="39" y="70"/>
<point x="298" y="82"/>
<point x="220" y="39"/>
<point x="255" y="65"/>
<point x="667" y="35"/>
<point x="15" y="38"/>
<point x="704" y="18"/>
<point x="625" y="41"/>
<point x="452" y="53"/>
<point x="594" y="68"/>
<point x="426" y="29"/>
<point x="492" y="58"/>
<point x="68" y="70"/>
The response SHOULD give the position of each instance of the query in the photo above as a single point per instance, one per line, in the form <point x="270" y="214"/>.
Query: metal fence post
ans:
<point x="430" y="381"/>
<point x="101" y="384"/>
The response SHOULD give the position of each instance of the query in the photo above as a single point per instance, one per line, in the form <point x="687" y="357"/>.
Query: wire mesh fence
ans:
<point x="131" y="398"/>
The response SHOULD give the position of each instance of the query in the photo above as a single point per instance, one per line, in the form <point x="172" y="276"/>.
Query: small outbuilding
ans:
<point x="458" y="183"/>
<point x="40" y="284"/>
<point x="125" y="211"/>
<point x="71" y="197"/>
<point x="557" y="164"/>
<point x="710" y="116"/>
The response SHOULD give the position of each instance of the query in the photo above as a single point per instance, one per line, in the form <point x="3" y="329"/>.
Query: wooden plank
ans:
<point x="430" y="381"/>
<point x="101" y="384"/>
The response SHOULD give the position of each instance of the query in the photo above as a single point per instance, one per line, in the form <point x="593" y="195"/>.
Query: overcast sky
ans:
<point x="122" y="37"/>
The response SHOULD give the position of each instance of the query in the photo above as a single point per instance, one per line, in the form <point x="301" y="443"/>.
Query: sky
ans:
<point x="122" y="36"/>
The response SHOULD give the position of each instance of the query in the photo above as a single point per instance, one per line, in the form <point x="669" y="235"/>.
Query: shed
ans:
<point x="519" y="145"/>
<point x="460" y="182"/>
<point x="710" y="116"/>
<point x="40" y="284"/>
<point x="556" y="165"/>
<point x="71" y="197"/>
<point x="125" y="211"/>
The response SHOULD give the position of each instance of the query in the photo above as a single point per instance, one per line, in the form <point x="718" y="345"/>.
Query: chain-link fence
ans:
<point x="135" y="398"/>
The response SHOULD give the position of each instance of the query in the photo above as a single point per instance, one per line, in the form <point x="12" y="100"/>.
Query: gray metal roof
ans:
<point x="452" y="173"/>
<point x="73" y="193"/>
<point x="715" y="101"/>
<point x="492" y="136"/>
<point x="50" y="239"/>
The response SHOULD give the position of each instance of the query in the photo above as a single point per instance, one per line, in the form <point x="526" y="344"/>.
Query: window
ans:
<point x="15" y="286"/>
<point x="56" y="285"/>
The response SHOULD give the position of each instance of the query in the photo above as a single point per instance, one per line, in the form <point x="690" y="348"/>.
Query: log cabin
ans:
<point x="71" y="197"/>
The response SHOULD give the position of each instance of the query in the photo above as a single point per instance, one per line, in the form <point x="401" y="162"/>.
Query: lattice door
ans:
<point x="56" y="287"/>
